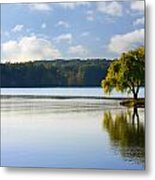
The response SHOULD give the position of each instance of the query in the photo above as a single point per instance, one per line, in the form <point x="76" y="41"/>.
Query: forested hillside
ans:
<point x="57" y="73"/>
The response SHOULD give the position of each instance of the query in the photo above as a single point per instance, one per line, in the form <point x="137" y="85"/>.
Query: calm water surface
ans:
<point x="65" y="92"/>
<point x="76" y="133"/>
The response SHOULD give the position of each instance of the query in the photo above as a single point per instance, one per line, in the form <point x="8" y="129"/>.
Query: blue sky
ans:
<point x="70" y="30"/>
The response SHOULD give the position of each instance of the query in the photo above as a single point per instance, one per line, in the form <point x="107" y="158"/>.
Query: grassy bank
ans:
<point x="134" y="103"/>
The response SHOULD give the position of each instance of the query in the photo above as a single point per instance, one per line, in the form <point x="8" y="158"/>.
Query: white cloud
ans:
<point x="110" y="8"/>
<point x="63" y="24"/>
<point x="72" y="5"/>
<point x="43" y="26"/>
<point x="124" y="42"/>
<point x="28" y="48"/>
<point x="40" y="7"/>
<point x="78" y="51"/>
<point x="18" y="28"/>
<point x="137" y="5"/>
<point x="64" y="38"/>
<point x="139" y="21"/>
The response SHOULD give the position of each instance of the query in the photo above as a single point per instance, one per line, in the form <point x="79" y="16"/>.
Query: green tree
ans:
<point x="127" y="73"/>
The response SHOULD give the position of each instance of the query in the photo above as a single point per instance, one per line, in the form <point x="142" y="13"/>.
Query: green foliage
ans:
<point x="126" y="73"/>
<point x="57" y="73"/>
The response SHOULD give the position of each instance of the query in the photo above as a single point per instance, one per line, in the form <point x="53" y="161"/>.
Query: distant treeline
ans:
<point x="57" y="73"/>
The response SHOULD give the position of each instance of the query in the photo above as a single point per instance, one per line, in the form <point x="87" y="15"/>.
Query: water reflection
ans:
<point x="67" y="133"/>
<point x="127" y="134"/>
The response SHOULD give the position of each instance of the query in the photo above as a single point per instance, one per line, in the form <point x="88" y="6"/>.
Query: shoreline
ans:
<point x="123" y="101"/>
<point x="67" y="97"/>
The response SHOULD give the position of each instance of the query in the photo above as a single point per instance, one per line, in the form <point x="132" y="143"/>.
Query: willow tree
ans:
<point x="126" y="74"/>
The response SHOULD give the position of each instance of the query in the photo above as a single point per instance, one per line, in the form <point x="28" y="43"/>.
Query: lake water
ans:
<point x="70" y="133"/>
<point x="98" y="92"/>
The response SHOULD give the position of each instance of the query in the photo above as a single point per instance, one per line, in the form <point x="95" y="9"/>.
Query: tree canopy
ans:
<point x="126" y="73"/>
<point x="56" y="73"/>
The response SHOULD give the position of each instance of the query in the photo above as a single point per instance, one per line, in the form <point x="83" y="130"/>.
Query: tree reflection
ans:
<point x="126" y="133"/>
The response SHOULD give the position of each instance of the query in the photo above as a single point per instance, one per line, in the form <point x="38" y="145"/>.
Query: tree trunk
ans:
<point x="135" y="92"/>
<point x="135" y="95"/>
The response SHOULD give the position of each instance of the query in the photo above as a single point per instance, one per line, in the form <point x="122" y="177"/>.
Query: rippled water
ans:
<point x="73" y="133"/>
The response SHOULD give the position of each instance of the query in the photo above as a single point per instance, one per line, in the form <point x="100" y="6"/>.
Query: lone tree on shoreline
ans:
<point x="126" y="74"/>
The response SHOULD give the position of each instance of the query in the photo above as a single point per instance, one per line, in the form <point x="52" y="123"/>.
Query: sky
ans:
<point x="48" y="31"/>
